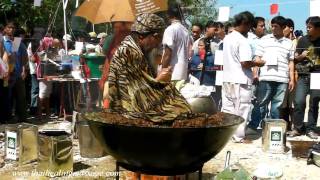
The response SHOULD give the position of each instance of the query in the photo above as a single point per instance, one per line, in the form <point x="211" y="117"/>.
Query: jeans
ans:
<point x="313" y="110"/>
<point x="34" y="91"/>
<point x="18" y="95"/>
<point x="267" y="91"/>
<point x="302" y="90"/>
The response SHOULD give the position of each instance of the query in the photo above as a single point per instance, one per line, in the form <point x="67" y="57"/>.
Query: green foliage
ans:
<point x="27" y="16"/>
<point x="198" y="11"/>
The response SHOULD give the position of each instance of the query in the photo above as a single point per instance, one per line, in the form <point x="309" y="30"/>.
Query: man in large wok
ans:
<point x="133" y="86"/>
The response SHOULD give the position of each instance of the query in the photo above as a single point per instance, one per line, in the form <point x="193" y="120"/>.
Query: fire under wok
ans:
<point x="164" y="150"/>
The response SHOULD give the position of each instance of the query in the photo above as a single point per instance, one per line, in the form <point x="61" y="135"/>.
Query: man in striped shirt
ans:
<point x="278" y="73"/>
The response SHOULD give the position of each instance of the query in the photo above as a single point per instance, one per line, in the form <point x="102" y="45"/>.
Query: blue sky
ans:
<point x="297" y="10"/>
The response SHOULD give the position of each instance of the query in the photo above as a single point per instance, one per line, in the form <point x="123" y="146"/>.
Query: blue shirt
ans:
<point x="22" y="52"/>
<point x="209" y="76"/>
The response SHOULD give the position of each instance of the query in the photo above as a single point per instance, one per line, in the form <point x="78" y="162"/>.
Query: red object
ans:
<point x="202" y="54"/>
<point x="274" y="8"/>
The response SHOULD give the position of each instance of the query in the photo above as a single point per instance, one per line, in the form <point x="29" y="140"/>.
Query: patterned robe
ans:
<point x="134" y="91"/>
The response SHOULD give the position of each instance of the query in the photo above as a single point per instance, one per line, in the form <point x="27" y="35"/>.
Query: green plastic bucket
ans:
<point x="94" y="63"/>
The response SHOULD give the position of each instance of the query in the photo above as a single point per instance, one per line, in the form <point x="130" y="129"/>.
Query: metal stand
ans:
<point x="117" y="171"/>
<point x="139" y="177"/>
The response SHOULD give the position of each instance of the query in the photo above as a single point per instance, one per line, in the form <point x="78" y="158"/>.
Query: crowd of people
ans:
<point x="25" y="91"/>
<point x="265" y="74"/>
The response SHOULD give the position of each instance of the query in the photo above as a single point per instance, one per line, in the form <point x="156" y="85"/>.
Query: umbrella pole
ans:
<point x="65" y="3"/>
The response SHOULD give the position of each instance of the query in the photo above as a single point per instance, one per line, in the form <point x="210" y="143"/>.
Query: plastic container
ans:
<point x="95" y="64"/>
<point x="75" y="63"/>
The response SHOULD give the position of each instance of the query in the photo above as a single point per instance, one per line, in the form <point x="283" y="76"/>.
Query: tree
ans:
<point x="198" y="11"/>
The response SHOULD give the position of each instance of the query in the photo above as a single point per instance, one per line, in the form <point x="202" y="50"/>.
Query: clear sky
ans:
<point x="297" y="10"/>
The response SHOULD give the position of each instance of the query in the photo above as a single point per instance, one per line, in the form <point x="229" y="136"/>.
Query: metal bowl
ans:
<point x="164" y="150"/>
<point x="203" y="105"/>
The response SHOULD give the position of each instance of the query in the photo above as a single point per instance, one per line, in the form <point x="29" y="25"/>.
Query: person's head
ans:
<point x="210" y="29"/>
<point x="278" y="24"/>
<point x="20" y="33"/>
<point x="56" y="43"/>
<point x="202" y="48"/>
<point x="219" y="31"/>
<point x="259" y="26"/>
<point x="288" y="30"/>
<point x="298" y="33"/>
<point x="9" y="28"/>
<point x="313" y="27"/>
<point x="102" y="37"/>
<point x="147" y="31"/>
<point x="243" y="22"/>
<point x="228" y="27"/>
<point x="121" y="27"/>
<point x="174" y="12"/>
<point x="201" y="44"/>
<point x="196" y="31"/>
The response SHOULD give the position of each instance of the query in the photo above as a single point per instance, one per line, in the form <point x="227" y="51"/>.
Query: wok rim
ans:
<point x="238" y="121"/>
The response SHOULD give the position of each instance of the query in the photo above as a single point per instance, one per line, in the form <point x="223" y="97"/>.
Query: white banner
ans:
<point x="314" y="7"/>
<point x="224" y="14"/>
<point x="314" y="81"/>
<point x="37" y="3"/>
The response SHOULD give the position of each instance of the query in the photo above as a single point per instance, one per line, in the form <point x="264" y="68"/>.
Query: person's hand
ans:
<point x="23" y="75"/>
<point x="5" y="57"/>
<point x="165" y="74"/>
<point x="291" y="85"/>
<point x="305" y="53"/>
<point x="259" y="62"/>
<point x="255" y="77"/>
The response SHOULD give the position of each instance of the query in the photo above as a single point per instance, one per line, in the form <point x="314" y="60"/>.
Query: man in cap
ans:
<point x="132" y="86"/>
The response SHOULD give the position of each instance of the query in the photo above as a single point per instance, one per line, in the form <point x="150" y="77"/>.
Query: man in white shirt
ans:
<point x="176" y="42"/>
<point x="237" y="80"/>
<point x="278" y="73"/>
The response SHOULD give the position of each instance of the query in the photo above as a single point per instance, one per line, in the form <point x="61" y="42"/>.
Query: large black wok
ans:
<point x="164" y="151"/>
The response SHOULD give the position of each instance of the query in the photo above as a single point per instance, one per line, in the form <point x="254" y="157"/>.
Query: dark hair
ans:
<point x="245" y="17"/>
<point x="218" y="25"/>
<point x="210" y="24"/>
<point x="280" y="20"/>
<point x="10" y="22"/>
<point x="199" y="25"/>
<point x="174" y="11"/>
<point x="298" y="33"/>
<point x="257" y="20"/>
<point x="227" y="25"/>
<point x="19" y="32"/>
<point x="313" y="20"/>
<point x="290" y="23"/>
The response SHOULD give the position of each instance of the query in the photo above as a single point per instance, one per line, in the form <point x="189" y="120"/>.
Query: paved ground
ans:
<point x="250" y="156"/>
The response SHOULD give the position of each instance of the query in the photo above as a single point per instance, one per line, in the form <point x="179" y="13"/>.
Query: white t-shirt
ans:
<point x="236" y="49"/>
<point x="178" y="39"/>
<point x="253" y="41"/>
<point x="280" y="52"/>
